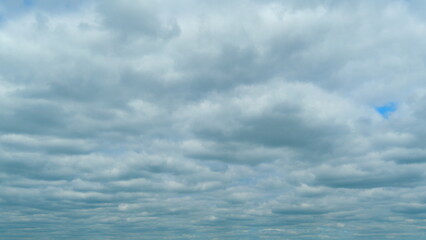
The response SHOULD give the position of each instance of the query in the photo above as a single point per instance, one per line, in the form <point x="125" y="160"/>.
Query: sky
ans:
<point x="239" y="119"/>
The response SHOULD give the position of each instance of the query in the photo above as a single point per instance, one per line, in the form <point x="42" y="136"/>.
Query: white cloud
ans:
<point x="211" y="120"/>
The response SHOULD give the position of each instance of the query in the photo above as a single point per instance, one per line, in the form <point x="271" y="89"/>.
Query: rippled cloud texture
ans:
<point x="212" y="119"/>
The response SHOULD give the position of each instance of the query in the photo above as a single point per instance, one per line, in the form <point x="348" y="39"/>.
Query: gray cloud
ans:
<point x="347" y="177"/>
<point x="135" y="18"/>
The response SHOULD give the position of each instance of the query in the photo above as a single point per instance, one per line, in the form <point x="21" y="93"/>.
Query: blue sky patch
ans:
<point x="386" y="109"/>
<point x="28" y="3"/>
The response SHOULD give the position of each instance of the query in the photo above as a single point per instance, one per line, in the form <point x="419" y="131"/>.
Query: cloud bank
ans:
<point x="212" y="119"/>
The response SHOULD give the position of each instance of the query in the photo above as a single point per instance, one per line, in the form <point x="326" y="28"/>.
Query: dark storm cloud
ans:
<point x="211" y="120"/>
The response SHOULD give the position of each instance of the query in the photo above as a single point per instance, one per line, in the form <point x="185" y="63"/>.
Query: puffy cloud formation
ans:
<point x="212" y="119"/>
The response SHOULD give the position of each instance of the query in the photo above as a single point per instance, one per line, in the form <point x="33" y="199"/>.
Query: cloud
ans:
<point x="218" y="120"/>
<point x="351" y="177"/>
<point x="135" y="18"/>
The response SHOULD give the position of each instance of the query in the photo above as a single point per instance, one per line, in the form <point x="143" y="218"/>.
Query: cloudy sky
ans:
<point x="202" y="119"/>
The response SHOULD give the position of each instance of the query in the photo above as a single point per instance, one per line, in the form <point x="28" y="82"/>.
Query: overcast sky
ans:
<point x="202" y="119"/>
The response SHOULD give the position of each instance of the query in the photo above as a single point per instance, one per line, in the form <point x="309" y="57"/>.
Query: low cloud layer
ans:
<point x="212" y="119"/>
